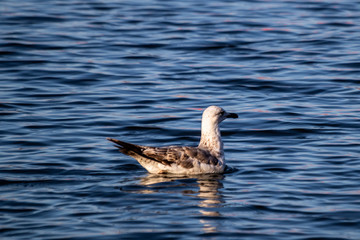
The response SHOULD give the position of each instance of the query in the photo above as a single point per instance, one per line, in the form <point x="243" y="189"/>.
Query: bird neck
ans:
<point x="211" y="138"/>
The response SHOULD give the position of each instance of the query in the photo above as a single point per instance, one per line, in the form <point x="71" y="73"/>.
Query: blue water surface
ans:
<point x="75" y="72"/>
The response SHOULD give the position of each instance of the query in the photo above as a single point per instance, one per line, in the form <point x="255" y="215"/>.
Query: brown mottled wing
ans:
<point x="183" y="156"/>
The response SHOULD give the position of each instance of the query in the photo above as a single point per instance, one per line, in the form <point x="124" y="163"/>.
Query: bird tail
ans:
<point x="126" y="148"/>
<point x="132" y="150"/>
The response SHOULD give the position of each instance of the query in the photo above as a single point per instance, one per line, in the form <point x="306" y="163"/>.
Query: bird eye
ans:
<point x="222" y="112"/>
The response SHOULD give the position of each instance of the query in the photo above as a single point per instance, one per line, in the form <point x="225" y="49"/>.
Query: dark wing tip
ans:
<point x="118" y="142"/>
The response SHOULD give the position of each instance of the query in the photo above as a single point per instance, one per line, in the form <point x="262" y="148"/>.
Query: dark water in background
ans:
<point x="74" y="72"/>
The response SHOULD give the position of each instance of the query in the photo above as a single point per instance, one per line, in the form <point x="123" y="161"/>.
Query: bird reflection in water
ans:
<point x="208" y="193"/>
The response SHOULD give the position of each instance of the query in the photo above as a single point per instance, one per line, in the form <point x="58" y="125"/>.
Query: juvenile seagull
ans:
<point x="208" y="157"/>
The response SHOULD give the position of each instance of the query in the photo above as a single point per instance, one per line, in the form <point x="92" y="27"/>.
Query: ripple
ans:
<point x="74" y="73"/>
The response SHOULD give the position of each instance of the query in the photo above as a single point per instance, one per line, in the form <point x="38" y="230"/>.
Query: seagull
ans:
<point x="208" y="157"/>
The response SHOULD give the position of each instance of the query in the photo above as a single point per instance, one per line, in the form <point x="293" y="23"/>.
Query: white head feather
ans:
<point x="210" y="132"/>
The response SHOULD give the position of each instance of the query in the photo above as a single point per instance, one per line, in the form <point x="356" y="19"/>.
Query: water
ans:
<point x="75" y="72"/>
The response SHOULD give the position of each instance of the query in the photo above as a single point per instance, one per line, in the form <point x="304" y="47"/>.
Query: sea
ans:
<point x="75" y="72"/>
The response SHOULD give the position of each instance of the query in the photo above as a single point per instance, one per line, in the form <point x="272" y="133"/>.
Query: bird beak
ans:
<point x="231" y="115"/>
